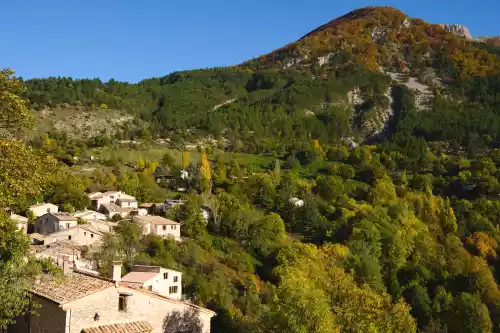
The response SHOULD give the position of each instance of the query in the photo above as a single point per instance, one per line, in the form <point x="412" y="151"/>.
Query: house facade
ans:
<point x="83" y="302"/>
<point x="159" y="226"/>
<point x="43" y="208"/>
<point x="111" y="197"/>
<point x="159" y="280"/>
<point x="112" y="209"/>
<point x="52" y="222"/>
<point x="90" y="215"/>
<point x="82" y="235"/>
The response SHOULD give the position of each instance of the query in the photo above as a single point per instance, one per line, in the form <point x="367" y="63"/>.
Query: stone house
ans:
<point x="112" y="209"/>
<point x="104" y="226"/>
<point x="159" y="280"/>
<point x="90" y="215"/>
<point x="82" y="235"/>
<point x="83" y="302"/>
<point x="127" y="202"/>
<point x="42" y="208"/>
<point x="52" y="222"/>
<point x="111" y="197"/>
<point x="159" y="226"/>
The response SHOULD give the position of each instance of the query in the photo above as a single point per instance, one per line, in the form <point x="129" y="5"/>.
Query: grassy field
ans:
<point x="130" y="155"/>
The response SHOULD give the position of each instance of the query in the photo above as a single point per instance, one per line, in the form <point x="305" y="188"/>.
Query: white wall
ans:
<point x="162" y="286"/>
<point x="140" y="306"/>
<point x="44" y="209"/>
<point x="167" y="230"/>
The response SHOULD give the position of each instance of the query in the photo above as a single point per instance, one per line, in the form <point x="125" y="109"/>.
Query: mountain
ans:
<point x="372" y="75"/>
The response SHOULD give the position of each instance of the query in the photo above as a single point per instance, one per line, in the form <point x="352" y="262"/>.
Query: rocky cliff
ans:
<point x="458" y="30"/>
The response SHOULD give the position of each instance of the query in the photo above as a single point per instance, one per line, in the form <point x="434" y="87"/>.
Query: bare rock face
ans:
<point x="458" y="30"/>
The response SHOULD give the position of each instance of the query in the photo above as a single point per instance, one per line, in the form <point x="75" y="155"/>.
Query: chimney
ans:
<point x="66" y="267"/>
<point x="116" y="271"/>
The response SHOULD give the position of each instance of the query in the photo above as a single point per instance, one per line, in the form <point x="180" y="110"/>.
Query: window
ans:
<point x="172" y="290"/>
<point x="122" y="303"/>
<point x="176" y="278"/>
<point x="48" y="210"/>
<point x="67" y="225"/>
<point x="164" y="227"/>
<point x="85" y="233"/>
<point x="91" y="235"/>
<point x="165" y="276"/>
<point x="69" y="237"/>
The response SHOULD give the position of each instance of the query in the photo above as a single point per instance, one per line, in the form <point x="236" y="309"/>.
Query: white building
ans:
<point x="297" y="202"/>
<point x="85" y="303"/>
<point x="81" y="235"/>
<point x="112" y="209"/>
<point x="112" y="197"/>
<point x="42" y="208"/>
<point x="159" y="226"/>
<point x="90" y="215"/>
<point x="52" y="222"/>
<point x="159" y="280"/>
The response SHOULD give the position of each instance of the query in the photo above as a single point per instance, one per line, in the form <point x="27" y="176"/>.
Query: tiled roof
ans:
<point x="69" y="288"/>
<point x="158" y="220"/>
<point x="170" y="300"/>
<point x="133" y="327"/>
<point x="62" y="216"/>
<point x="90" y="229"/>
<point x="41" y="204"/>
<point x="126" y="200"/>
<point x="111" y="207"/>
<point x="138" y="277"/>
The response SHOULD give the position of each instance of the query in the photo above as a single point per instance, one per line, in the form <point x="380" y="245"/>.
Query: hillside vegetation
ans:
<point x="373" y="203"/>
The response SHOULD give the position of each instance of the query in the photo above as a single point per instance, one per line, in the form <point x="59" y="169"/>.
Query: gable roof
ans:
<point x="138" y="277"/>
<point x="133" y="327"/>
<point x="42" y="204"/>
<point x="71" y="287"/>
<point x="86" y="213"/>
<point x="112" y="208"/>
<point x="61" y="216"/>
<point x="170" y="300"/>
<point x="126" y="200"/>
<point x="157" y="220"/>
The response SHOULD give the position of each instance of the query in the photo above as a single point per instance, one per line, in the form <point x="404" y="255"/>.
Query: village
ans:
<point x="85" y="301"/>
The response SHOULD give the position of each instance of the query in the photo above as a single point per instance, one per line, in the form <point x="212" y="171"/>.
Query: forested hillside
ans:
<point x="375" y="207"/>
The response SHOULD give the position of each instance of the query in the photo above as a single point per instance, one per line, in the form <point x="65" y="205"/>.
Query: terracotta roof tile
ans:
<point x="133" y="327"/>
<point x="69" y="288"/>
<point x="157" y="220"/>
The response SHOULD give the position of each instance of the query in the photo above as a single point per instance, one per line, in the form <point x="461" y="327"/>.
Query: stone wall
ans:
<point x="140" y="306"/>
<point x="50" y="318"/>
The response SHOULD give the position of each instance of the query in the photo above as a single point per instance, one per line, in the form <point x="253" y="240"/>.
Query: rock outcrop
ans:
<point x="458" y="30"/>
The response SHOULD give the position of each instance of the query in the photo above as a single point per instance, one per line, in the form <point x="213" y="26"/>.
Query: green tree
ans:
<point x="469" y="315"/>
<point x="17" y="268"/>
<point x="14" y="115"/>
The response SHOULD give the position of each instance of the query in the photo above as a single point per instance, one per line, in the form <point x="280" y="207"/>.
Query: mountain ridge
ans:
<point x="301" y="91"/>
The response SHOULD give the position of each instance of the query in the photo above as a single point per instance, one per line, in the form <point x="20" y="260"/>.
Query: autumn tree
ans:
<point x="205" y="173"/>
<point x="185" y="159"/>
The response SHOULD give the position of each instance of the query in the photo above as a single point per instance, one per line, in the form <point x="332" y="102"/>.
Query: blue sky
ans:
<point x="130" y="40"/>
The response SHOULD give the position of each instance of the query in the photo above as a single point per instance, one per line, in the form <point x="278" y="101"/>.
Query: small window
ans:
<point x="173" y="290"/>
<point x="91" y="235"/>
<point x="67" y="225"/>
<point x="48" y="210"/>
<point x="165" y="276"/>
<point x="69" y="237"/>
<point x="85" y="233"/>
<point x="176" y="278"/>
<point x="164" y="227"/>
<point x="122" y="303"/>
